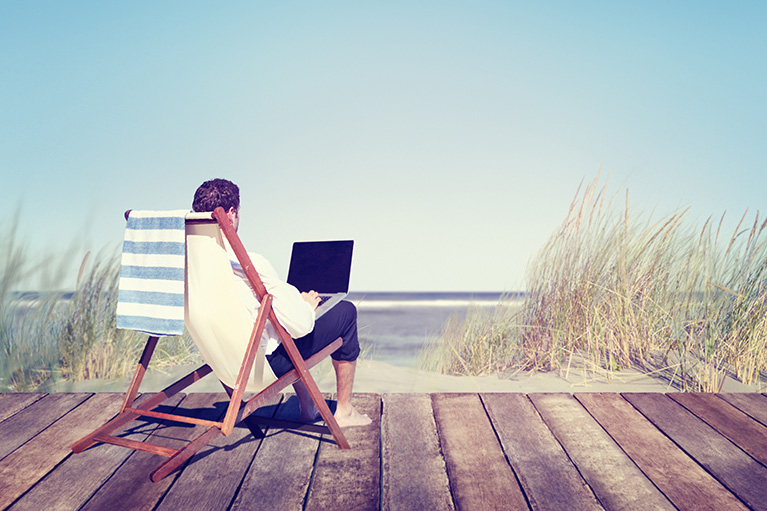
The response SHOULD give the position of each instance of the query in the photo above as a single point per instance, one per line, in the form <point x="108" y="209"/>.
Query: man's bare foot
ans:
<point x="351" y="418"/>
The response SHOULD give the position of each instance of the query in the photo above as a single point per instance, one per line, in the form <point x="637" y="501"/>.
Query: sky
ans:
<point x="446" y="138"/>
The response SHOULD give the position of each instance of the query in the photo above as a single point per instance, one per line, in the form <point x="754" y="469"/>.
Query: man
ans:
<point x="295" y="311"/>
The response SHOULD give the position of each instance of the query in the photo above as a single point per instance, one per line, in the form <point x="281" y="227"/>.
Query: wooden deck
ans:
<point x="438" y="451"/>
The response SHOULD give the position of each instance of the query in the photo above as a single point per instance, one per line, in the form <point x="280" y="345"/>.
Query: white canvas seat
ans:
<point x="213" y="312"/>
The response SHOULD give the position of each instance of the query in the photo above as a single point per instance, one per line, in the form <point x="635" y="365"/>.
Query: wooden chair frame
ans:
<point x="237" y="409"/>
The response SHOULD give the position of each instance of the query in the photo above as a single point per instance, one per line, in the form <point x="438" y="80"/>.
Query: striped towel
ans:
<point x="151" y="291"/>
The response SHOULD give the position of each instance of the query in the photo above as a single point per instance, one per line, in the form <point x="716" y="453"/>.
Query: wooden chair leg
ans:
<point x="107" y="429"/>
<point x="138" y="376"/>
<point x="126" y="416"/>
<point x="130" y="396"/>
<point x="185" y="453"/>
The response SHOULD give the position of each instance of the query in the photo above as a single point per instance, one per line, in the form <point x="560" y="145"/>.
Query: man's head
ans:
<point x="218" y="192"/>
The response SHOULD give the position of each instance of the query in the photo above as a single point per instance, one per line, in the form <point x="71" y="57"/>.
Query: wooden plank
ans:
<point x="479" y="475"/>
<point x="754" y="405"/>
<point x="741" y="429"/>
<point x="10" y="404"/>
<point x="21" y="469"/>
<point x="536" y="456"/>
<point x="285" y="460"/>
<point x="33" y="419"/>
<point x="74" y="481"/>
<point x="614" y="478"/>
<point x="735" y="469"/>
<point x="212" y="478"/>
<point x="130" y="487"/>
<point x="350" y="478"/>
<point x="414" y="475"/>
<point x="677" y="475"/>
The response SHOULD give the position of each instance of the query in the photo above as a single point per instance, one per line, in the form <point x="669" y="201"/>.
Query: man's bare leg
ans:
<point x="308" y="410"/>
<point x="346" y="415"/>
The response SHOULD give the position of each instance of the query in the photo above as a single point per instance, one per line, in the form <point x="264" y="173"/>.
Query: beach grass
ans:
<point x="614" y="290"/>
<point x="52" y="336"/>
<point x="477" y="343"/>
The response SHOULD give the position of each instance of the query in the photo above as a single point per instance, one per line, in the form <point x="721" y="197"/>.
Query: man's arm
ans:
<point x="294" y="311"/>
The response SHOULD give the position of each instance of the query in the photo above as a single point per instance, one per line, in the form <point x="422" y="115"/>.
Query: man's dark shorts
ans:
<point x="340" y="321"/>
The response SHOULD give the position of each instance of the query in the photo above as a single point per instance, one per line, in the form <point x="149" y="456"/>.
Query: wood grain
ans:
<point x="678" y="476"/>
<point x="213" y="475"/>
<point x="21" y="469"/>
<point x="736" y="470"/>
<point x="350" y="478"/>
<point x="80" y="475"/>
<point x="755" y="405"/>
<point x="280" y="474"/>
<point x="467" y="451"/>
<point x="480" y="477"/>
<point x="130" y="487"/>
<point x="414" y="474"/>
<point x="536" y="456"/>
<point x="615" y="479"/>
<point x="33" y="419"/>
<point x="10" y="404"/>
<point x="741" y="429"/>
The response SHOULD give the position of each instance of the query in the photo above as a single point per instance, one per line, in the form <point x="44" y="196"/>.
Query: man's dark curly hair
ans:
<point x="214" y="193"/>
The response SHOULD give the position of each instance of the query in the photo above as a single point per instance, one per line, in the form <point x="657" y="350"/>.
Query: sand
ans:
<point x="381" y="377"/>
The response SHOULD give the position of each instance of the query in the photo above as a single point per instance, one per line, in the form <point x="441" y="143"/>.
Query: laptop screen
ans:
<point x="324" y="266"/>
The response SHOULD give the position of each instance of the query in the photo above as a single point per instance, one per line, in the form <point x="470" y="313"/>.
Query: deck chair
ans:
<point x="229" y="344"/>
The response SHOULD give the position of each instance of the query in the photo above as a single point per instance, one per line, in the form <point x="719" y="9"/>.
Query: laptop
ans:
<point x="322" y="266"/>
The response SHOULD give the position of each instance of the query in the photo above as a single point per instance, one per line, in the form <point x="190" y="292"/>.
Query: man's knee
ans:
<point x="348" y="352"/>
<point x="347" y="310"/>
<point x="347" y="316"/>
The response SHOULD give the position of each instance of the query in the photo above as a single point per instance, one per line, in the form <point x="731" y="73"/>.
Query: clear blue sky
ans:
<point x="446" y="138"/>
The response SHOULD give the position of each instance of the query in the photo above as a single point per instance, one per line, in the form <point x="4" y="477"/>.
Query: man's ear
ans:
<point x="233" y="215"/>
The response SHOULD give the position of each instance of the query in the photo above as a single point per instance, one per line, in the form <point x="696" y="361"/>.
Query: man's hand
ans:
<point x="312" y="298"/>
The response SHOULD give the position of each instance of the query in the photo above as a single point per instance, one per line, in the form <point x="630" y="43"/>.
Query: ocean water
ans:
<point x="395" y="327"/>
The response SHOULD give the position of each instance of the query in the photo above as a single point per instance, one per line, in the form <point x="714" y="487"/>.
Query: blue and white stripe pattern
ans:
<point x="151" y="291"/>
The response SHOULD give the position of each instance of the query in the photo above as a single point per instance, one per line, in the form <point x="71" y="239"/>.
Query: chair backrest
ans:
<point x="214" y="314"/>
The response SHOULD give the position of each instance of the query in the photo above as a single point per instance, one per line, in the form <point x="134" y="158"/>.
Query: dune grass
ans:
<point x="619" y="290"/>
<point x="476" y="344"/>
<point x="51" y="336"/>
